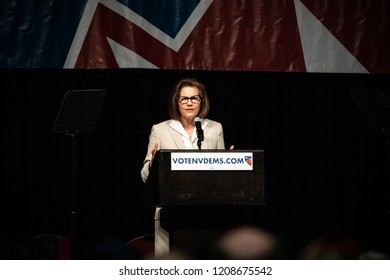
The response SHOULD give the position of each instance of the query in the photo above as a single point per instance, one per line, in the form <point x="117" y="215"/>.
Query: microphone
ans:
<point x="199" y="131"/>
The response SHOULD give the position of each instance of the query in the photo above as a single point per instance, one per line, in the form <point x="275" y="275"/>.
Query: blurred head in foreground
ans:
<point x="247" y="243"/>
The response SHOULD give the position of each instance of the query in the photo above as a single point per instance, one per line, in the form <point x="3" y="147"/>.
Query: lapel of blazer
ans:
<point x="176" y="136"/>
<point x="205" y="131"/>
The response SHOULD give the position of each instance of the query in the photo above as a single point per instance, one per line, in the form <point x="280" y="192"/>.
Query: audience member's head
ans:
<point x="332" y="247"/>
<point x="247" y="242"/>
<point x="374" y="255"/>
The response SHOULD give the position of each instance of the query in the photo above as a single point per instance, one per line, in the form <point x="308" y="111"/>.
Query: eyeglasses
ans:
<point x="194" y="99"/>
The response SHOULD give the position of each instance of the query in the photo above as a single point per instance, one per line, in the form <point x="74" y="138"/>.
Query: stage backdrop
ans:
<point x="246" y="35"/>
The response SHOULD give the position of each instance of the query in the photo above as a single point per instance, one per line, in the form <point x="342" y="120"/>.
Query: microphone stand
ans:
<point x="199" y="133"/>
<point x="199" y="144"/>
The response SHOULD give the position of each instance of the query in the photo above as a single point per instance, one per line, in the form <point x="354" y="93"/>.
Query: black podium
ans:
<point x="205" y="192"/>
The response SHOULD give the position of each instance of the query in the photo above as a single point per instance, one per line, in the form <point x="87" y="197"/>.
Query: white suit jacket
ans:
<point x="168" y="138"/>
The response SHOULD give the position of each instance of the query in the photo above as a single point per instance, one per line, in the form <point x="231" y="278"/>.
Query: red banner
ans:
<point x="248" y="35"/>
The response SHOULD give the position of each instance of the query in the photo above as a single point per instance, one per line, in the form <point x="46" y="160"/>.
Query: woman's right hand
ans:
<point x="154" y="150"/>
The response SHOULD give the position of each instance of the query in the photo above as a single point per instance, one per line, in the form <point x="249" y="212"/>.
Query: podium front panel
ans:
<point x="207" y="187"/>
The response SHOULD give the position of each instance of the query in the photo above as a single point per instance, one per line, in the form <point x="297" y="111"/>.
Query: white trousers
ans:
<point x="161" y="236"/>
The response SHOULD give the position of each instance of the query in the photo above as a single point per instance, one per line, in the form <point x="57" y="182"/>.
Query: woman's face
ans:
<point x="189" y="102"/>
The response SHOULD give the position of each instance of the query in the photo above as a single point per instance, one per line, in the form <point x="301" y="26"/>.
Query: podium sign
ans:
<point x="208" y="177"/>
<point x="211" y="161"/>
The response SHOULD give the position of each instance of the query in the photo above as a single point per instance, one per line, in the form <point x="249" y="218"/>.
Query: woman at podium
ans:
<point x="187" y="128"/>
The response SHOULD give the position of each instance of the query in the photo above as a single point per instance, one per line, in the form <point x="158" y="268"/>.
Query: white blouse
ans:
<point x="189" y="143"/>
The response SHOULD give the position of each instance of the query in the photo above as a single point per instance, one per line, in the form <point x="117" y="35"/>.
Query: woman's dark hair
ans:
<point x="173" y="103"/>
